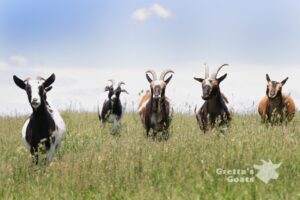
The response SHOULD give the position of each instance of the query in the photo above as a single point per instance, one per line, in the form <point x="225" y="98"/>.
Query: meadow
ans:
<point x="93" y="164"/>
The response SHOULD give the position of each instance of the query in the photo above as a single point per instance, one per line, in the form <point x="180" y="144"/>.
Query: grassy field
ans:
<point x="93" y="164"/>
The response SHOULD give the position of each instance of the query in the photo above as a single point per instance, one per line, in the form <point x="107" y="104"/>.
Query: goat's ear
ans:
<point x="106" y="88"/>
<point x="148" y="78"/>
<point x="168" y="79"/>
<point x="49" y="81"/>
<point x="48" y="88"/>
<point x="123" y="90"/>
<point x="268" y="78"/>
<point x="284" y="81"/>
<point x="20" y="83"/>
<point x="199" y="79"/>
<point x="221" y="78"/>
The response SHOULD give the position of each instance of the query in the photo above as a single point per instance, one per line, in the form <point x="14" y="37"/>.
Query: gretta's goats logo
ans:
<point x="267" y="171"/>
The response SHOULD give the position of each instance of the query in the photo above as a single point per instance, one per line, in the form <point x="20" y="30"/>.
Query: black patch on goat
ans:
<point x="112" y="106"/>
<point x="41" y="126"/>
<point x="214" y="106"/>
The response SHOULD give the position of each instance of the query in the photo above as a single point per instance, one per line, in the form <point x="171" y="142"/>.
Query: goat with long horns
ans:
<point x="155" y="109"/>
<point x="214" y="106"/>
<point x="112" y="109"/>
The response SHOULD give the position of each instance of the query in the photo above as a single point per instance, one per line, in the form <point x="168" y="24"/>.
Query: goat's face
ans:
<point x="274" y="88"/>
<point x="210" y="85"/>
<point x="110" y="90"/>
<point x="158" y="87"/>
<point x="114" y="94"/>
<point x="36" y="89"/>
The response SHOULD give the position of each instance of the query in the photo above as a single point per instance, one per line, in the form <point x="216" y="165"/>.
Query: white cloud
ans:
<point x="3" y="65"/>
<point x="18" y="60"/>
<point x="143" y="14"/>
<point x="161" y="11"/>
<point x="13" y="61"/>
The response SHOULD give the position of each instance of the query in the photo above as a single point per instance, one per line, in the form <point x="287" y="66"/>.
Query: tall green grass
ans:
<point x="93" y="164"/>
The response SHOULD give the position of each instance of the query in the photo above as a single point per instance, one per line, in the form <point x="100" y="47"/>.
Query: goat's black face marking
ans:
<point x="273" y="89"/>
<point x="35" y="92"/>
<point x="158" y="89"/>
<point x="35" y="89"/>
<point x="156" y="92"/>
<point x="28" y="91"/>
<point x="209" y="88"/>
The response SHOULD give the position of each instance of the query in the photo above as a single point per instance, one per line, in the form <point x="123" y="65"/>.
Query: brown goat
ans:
<point x="155" y="108"/>
<point x="214" y="106"/>
<point x="276" y="106"/>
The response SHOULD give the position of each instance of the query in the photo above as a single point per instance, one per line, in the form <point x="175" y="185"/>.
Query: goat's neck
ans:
<point x="156" y="105"/>
<point x="277" y="102"/>
<point x="214" y="101"/>
<point x="42" y="112"/>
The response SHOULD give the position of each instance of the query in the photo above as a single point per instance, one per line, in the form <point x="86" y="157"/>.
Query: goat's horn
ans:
<point x="121" y="83"/>
<point x="40" y="78"/>
<point x="164" y="73"/>
<point x="152" y="72"/>
<point x="112" y="82"/>
<point x="206" y="70"/>
<point x="27" y="79"/>
<point x="215" y="74"/>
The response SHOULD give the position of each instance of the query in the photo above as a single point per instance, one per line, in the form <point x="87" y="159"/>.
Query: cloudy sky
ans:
<point x="87" y="42"/>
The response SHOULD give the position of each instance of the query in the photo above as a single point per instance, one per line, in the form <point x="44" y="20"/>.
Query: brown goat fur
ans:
<point x="214" y="107"/>
<point x="276" y="106"/>
<point x="155" y="109"/>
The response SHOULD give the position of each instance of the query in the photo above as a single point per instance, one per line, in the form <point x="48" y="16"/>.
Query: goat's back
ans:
<point x="290" y="105"/>
<point x="288" y="101"/>
<point x="262" y="107"/>
<point x="144" y="99"/>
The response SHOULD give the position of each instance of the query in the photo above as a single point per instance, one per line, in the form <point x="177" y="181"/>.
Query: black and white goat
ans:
<point x="155" y="108"/>
<point x="45" y="128"/>
<point x="112" y="109"/>
<point x="214" y="106"/>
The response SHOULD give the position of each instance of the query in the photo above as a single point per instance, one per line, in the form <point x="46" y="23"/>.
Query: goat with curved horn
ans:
<point x="155" y="109"/>
<point x="164" y="73"/>
<point x="215" y="74"/>
<point x="152" y="72"/>
<point x="207" y="114"/>
<point x="121" y="83"/>
<point x="112" y="109"/>
<point x="206" y="70"/>
<point x="112" y="82"/>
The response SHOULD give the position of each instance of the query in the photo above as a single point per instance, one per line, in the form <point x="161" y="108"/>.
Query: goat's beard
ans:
<point x="35" y="106"/>
<point x="156" y="105"/>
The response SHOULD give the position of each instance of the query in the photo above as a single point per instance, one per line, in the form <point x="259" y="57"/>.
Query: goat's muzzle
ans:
<point x="156" y="97"/>
<point x="156" y="92"/>
<point x="35" y="103"/>
<point x="206" y="93"/>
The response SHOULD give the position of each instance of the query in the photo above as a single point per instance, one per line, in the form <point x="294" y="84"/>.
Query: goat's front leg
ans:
<point x="35" y="155"/>
<point x="165" y="134"/>
<point x="203" y="122"/>
<point x="116" y="125"/>
<point x="50" y="153"/>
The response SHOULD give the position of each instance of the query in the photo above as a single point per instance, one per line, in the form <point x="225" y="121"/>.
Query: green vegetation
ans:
<point x="93" y="164"/>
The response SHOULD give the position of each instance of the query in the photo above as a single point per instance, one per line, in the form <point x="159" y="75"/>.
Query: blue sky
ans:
<point x="103" y="32"/>
<point x="93" y="36"/>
